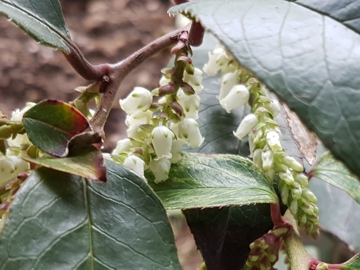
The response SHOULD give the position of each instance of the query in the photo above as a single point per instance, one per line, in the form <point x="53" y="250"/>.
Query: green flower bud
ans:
<point x="285" y="195"/>
<point x="296" y="193"/>
<point x="294" y="207"/>
<point x="287" y="177"/>
<point x="293" y="164"/>
<point x="301" y="179"/>
<point x="308" y="195"/>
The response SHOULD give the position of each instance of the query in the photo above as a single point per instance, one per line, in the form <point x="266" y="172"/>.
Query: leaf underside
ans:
<point x="79" y="224"/>
<point x="42" y="20"/>
<point x="336" y="174"/>
<point x="223" y="235"/>
<point x="309" y="60"/>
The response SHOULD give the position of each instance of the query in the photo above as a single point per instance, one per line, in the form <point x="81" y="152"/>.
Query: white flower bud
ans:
<point x="176" y="150"/>
<point x="189" y="130"/>
<point x="217" y="59"/>
<point x="137" y="133"/>
<point x="238" y="96"/>
<point x="17" y="115"/>
<point x="273" y="140"/>
<point x="274" y="107"/>
<point x="257" y="157"/>
<point x="161" y="138"/>
<point x="139" y="99"/>
<point x="10" y="167"/>
<point x="136" y="164"/>
<point x="164" y="81"/>
<point x="228" y="81"/>
<point x="267" y="159"/>
<point x="160" y="168"/>
<point x="246" y="125"/>
<point x="190" y="104"/>
<point x="194" y="80"/>
<point x="123" y="145"/>
<point x="138" y="118"/>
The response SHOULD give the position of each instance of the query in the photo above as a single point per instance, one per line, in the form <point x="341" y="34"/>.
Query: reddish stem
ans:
<point x="120" y="70"/>
<point x="196" y="34"/>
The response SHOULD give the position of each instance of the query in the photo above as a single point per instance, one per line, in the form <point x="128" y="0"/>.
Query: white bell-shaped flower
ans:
<point x="10" y="167"/>
<point x="123" y="145"/>
<point x="267" y="159"/>
<point x="160" y="168"/>
<point x="137" y="133"/>
<point x="138" y="118"/>
<point x="189" y="103"/>
<point x="228" y="81"/>
<point x="17" y="115"/>
<point x="139" y="99"/>
<point x="194" y="80"/>
<point x="176" y="150"/>
<point x="246" y="125"/>
<point x="217" y="59"/>
<point x="238" y="96"/>
<point x="164" y="81"/>
<point x="136" y="164"/>
<point x="189" y="130"/>
<point x="257" y="157"/>
<point x="161" y="138"/>
<point x="273" y="140"/>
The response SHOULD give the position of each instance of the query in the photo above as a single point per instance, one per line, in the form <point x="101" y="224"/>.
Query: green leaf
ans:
<point x="42" y="20"/>
<point x="200" y="181"/>
<point x="309" y="60"/>
<point x="223" y="235"/>
<point x="352" y="264"/>
<point x="51" y="124"/>
<point x="62" y="221"/>
<point x="88" y="163"/>
<point x="345" y="11"/>
<point x="335" y="173"/>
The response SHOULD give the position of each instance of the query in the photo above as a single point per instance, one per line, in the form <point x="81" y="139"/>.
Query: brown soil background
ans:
<point x="106" y="31"/>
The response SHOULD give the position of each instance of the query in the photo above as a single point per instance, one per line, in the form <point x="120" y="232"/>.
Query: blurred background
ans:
<point x="107" y="31"/>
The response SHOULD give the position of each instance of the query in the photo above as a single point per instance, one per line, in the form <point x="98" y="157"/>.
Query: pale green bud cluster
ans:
<point x="265" y="137"/>
<point x="161" y="122"/>
<point x="264" y="250"/>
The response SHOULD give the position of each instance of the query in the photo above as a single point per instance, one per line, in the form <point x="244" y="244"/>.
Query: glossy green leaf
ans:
<point x="62" y="221"/>
<point x="200" y="181"/>
<point x="223" y="235"/>
<point x="51" y="124"/>
<point x="335" y="173"/>
<point x="345" y="11"/>
<point x="42" y="20"/>
<point x="88" y="163"/>
<point x="352" y="264"/>
<point x="309" y="60"/>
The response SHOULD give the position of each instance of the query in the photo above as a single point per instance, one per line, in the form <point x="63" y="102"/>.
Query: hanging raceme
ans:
<point x="160" y="122"/>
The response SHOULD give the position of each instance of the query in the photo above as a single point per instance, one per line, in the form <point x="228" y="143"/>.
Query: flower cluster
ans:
<point x="264" y="250"/>
<point x="239" y="87"/>
<point x="13" y="169"/>
<point x="160" y="122"/>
